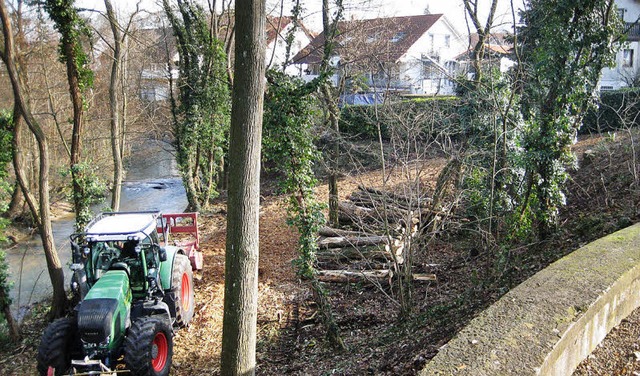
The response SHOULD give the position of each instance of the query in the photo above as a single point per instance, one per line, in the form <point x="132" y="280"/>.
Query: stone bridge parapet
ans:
<point x="551" y="322"/>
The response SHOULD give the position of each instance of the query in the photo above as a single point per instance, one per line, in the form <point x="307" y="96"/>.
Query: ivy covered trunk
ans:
<point x="289" y="147"/>
<point x="564" y="46"/>
<point x="202" y="112"/>
<point x="80" y="77"/>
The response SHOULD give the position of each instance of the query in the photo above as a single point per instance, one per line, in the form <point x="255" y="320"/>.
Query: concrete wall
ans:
<point x="552" y="321"/>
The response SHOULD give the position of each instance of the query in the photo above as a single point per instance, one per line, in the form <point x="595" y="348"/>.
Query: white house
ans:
<point x="411" y="54"/>
<point x="161" y="46"/>
<point x="625" y="72"/>
<point x="277" y="30"/>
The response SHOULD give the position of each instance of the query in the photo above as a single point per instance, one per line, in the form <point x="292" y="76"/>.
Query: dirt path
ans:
<point x="285" y="310"/>
<point x="197" y="348"/>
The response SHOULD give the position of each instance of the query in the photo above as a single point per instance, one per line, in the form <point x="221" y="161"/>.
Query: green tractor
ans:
<point x="132" y="292"/>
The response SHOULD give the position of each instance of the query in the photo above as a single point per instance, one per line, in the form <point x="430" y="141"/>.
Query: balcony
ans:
<point x="633" y="31"/>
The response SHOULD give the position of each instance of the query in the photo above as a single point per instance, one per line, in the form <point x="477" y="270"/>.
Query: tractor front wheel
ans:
<point x="149" y="347"/>
<point x="182" y="288"/>
<point x="59" y="343"/>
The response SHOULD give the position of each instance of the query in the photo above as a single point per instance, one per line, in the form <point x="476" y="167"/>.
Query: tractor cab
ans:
<point x="119" y="241"/>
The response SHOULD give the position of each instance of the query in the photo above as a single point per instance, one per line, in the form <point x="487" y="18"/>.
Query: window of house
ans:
<point x="314" y="69"/>
<point x="447" y="40"/>
<point x="627" y="57"/>
<point x="621" y="13"/>
<point x="431" y="41"/>
<point x="430" y="70"/>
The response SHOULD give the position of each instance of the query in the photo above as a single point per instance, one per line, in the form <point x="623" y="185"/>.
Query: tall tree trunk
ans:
<point x="54" y="266"/>
<point x="333" y="112"/>
<point x="77" y="172"/>
<point x="17" y="204"/>
<point x="241" y="263"/>
<point x="334" y="165"/>
<point x="67" y="22"/>
<point x="19" y="164"/>
<point x="114" y="107"/>
<point x="483" y="31"/>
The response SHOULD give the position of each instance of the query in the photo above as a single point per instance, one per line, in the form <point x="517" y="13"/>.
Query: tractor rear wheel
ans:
<point x="148" y="349"/>
<point x="182" y="288"/>
<point x="59" y="343"/>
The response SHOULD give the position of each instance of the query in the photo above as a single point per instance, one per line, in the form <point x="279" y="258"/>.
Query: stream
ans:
<point x="152" y="183"/>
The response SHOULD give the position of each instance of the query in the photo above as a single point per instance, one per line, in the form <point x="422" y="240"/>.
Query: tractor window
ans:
<point x="152" y="238"/>
<point x="149" y="256"/>
<point x="103" y="255"/>
<point x="128" y="250"/>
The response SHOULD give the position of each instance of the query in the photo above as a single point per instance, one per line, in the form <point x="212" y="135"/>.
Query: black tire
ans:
<point x="182" y="288"/>
<point x="148" y="348"/>
<point x="59" y="343"/>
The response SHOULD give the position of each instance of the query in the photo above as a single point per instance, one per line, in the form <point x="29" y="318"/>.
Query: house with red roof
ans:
<point x="410" y="54"/>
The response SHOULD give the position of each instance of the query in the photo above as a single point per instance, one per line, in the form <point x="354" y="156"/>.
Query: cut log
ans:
<point x="424" y="277"/>
<point x="352" y="253"/>
<point x="408" y="202"/>
<point x="345" y="276"/>
<point x="365" y="200"/>
<point x="343" y="241"/>
<point x="335" y="232"/>
<point x="350" y="213"/>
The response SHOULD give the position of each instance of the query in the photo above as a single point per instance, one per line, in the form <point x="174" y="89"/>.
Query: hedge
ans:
<point x="616" y="110"/>
<point x="431" y="115"/>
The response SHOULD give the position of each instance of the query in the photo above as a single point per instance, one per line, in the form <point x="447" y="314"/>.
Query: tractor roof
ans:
<point x="122" y="226"/>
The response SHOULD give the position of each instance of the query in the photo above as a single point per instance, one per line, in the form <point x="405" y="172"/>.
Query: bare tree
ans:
<point x="482" y="29"/>
<point x="118" y="111"/>
<point x="241" y="266"/>
<point x="41" y="213"/>
<point x="330" y="30"/>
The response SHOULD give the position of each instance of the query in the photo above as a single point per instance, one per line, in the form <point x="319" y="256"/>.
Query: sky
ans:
<point x="359" y="9"/>
<point x="452" y="9"/>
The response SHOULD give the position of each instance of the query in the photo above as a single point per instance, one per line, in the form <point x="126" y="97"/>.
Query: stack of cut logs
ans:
<point x="364" y="255"/>
<point x="369" y="206"/>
